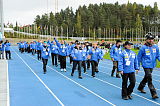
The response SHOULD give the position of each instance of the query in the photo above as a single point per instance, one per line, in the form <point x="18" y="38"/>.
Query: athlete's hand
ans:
<point x="112" y="59"/>
<point x="89" y="57"/>
<point x="121" y="72"/>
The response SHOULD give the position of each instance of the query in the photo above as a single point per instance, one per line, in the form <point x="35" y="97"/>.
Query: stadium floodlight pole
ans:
<point x="47" y="6"/>
<point x="2" y="18"/>
<point x="57" y="5"/>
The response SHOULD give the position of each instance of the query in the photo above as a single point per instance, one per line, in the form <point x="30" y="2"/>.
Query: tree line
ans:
<point x="103" y="20"/>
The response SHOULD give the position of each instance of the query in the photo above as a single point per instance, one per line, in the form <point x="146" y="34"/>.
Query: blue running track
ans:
<point x="30" y="87"/>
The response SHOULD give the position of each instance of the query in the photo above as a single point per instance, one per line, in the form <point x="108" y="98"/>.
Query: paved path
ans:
<point x="3" y="83"/>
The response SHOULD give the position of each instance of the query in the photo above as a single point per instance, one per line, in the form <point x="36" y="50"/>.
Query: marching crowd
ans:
<point x="84" y="55"/>
<point x="79" y="53"/>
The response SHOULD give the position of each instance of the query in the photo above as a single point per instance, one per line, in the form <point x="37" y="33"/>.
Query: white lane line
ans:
<point x="121" y="88"/>
<point x="110" y="74"/>
<point x="41" y="81"/>
<point x="8" y="91"/>
<point x="109" y="63"/>
<point x="104" y="82"/>
<point x="77" y="83"/>
<point x="136" y="75"/>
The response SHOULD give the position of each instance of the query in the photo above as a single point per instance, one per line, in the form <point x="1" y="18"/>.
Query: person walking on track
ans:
<point x="127" y="65"/>
<point x="148" y="55"/>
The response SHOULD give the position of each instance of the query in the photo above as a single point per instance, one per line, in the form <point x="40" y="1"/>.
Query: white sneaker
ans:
<point x="61" y="70"/>
<point x="64" y="70"/>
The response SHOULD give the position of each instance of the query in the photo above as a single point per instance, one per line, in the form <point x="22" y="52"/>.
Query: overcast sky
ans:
<point x="24" y="11"/>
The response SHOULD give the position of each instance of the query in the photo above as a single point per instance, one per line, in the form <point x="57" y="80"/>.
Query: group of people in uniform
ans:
<point x="5" y="50"/>
<point x="83" y="54"/>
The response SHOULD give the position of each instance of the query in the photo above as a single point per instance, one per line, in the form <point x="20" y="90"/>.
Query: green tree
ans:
<point x="78" y="25"/>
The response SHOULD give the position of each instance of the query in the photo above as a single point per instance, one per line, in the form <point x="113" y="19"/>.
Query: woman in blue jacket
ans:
<point x="54" y="53"/>
<point x="70" y="48"/>
<point x="33" y="48"/>
<point x="63" y="53"/>
<point x="38" y="47"/>
<point x="95" y="54"/>
<point x="114" y="54"/>
<point x="26" y="46"/>
<point x="77" y="55"/>
<point x="22" y="46"/>
<point x="148" y="55"/>
<point x="45" y="51"/>
<point x="1" y="50"/>
<point x="7" y="49"/>
<point x="85" y="55"/>
<point x="127" y="65"/>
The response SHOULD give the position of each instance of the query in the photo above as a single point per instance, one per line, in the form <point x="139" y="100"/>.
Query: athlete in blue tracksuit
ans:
<point x="1" y="50"/>
<point x="71" y="46"/>
<point x="26" y="46"/>
<point x="127" y="65"/>
<point x="85" y="55"/>
<point x="7" y="49"/>
<point x="114" y="54"/>
<point x="33" y="47"/>
<point x="19" y="43"/>
<point x="95" y="54"/>
<point x="77" y="55"/>
<point x="54" y="53"/>
<point x="38" y="47"/>
<point x="63" y="53"/>
<point x="88" y="46"/>
<point x="148" y="55"/>
<point x="45" y="53"/>
<point x="22" y="47"/>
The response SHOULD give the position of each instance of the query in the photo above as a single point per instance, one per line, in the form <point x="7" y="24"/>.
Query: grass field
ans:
<point x="107" y="56"/>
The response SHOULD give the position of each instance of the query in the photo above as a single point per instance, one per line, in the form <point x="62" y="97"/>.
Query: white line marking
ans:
<point x="104" y="82"/>
<point x="77" y="83"/>
<point x="120" y="88"/>
<point x="109" y="63"/>
<point x="136" y="75"/>
<point x="41" y="81"/>
<point x="136" y="82"/>
<point x="8" y="92"/>
<point x="99" y="80"/>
